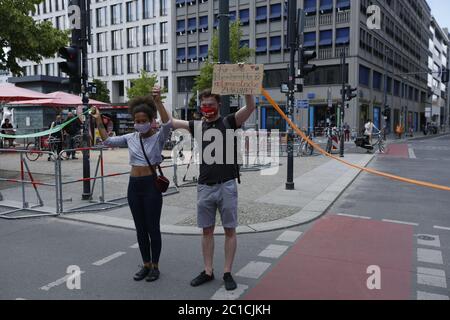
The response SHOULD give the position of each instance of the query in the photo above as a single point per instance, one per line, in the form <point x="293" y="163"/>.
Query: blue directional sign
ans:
<point x="302" y="104"/>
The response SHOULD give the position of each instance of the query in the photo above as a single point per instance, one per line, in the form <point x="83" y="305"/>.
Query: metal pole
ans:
<point x="224" y="46"/>
<point x="292" y="38"/>
<point x="85" y="18"/>
<point x="342" y="109"/>
<point x="57" y="186"/>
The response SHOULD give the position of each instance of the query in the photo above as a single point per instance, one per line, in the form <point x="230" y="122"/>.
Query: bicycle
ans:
<point x="331" y="133"/>
<point x="381" y="142"/>
<point x="305" y="147"/>
<point x="46" y="143"/>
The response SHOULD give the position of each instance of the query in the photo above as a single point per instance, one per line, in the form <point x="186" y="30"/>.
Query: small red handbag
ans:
<point x="162" y="183"/>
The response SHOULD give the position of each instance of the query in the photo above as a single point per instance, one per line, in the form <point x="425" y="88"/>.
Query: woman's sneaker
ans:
<point x="202" y="278"/>
<point x="141" y="274"/>
<point x="153" y="275"/>
<point x="230" y="284"/>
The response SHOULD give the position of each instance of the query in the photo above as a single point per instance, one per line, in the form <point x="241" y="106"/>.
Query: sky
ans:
<point x="440" y="9"/>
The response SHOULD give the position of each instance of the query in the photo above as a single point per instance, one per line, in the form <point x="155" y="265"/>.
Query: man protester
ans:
<point x="217" y="187"/>
<point x="72" y="130"/>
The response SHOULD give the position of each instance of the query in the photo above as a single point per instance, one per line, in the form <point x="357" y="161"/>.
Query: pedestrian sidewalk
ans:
<point x="315" y="191"/>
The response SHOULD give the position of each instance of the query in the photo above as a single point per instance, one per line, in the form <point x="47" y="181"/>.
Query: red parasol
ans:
<point x="9" y="93"/>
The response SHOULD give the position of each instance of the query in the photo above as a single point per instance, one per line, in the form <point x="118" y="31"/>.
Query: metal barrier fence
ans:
<point x="110" y="204"/>
<point x="25" y="205"/>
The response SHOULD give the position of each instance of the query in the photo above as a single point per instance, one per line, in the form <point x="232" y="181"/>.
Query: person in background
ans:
<point x="71" y="131"/>
<point x="346" y="132"/>
<point x="7" y="128"/>
<point x="56" y="139"/>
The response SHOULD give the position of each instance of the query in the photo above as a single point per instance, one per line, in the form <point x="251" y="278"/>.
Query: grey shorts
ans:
<point x="222" y="197"/>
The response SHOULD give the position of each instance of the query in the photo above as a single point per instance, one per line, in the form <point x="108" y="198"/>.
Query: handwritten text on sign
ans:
<point x="229" y="79"/>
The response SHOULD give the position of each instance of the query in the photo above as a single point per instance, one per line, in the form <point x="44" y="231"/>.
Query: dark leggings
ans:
<point x="146" y="203"/>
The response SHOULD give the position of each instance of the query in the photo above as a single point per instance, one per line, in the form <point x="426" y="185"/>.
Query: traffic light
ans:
<point x="445" y="75"/>
<point x="72" y="66"/>
<point x="303" y="62"/>
<point x="349" y="95"/>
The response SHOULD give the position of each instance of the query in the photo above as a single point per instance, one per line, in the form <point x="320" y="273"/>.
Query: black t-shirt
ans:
<point x="215" y="172"/>
<point x="74" y="128"/>
<point x="6" y="126"/>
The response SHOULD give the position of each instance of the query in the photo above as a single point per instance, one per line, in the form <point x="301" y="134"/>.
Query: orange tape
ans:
<point x="368" y="170"/>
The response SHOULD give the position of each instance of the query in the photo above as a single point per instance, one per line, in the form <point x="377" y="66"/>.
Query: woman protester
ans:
<point x="144" y="198"/>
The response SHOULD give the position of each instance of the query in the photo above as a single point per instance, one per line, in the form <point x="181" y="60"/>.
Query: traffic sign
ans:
<point x="302" y="104"/>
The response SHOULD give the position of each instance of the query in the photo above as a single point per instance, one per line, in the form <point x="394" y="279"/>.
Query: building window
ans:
<point x="203" y="52"/>
<point x="192" y="25"/>
<point x="261" y="14"/>
<point x="132" y="36"/>
<point x="275" y="44"/>
<point x="116" y="14"/>
<point x="132" y="11"/>
<point x="149" y="34"/>
<point x="203" y="24"/>
<point x="116" y="40"/>
<point x="117" y="65"/>
<point x="180" y="3"/>
<point x="326" y="38"/>
<point x="164" y="83"/>
<point x="244" y="43"/>
<point x="342" y="36"/>
<point x="192" y="54"/>
<point x="61" y="22"/>
<point x="164" y="10"/>
<point x="275" y="12"/>
<point x="148" y="9"/>
<point x="326" y="75"/>
<point x="261" y="46"/>
<point x="150" y="61"/>
<point x="102" y="66"/>
<point x="364" y="76"/>
<point x="396" y="88"/>
<point x="181" y="27"/>
<point x="163" y="30"/>
<point x="326" y="6"/>
<point x="164" y="59"/>
<point x="181" y="55"/>
<point x="101" y="17"/>
<point x="132" y="60"/>
<point x="101" y="42"/>
<point x="377" y="80"/>
<point x="309" y="40"/>
<point x="343" y="4"/>
<point x="310" y="7"/>
<point x="244" y="16"/>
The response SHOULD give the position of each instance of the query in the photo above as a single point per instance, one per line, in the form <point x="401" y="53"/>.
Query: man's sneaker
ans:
<point x="201" y="279"/>
<point x="153" y="275"/>
<point x="230" y="284"/>
<point x="141" y="274"/>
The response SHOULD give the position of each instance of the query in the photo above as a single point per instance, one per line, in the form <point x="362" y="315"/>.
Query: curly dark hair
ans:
<point x="144" y="104"/>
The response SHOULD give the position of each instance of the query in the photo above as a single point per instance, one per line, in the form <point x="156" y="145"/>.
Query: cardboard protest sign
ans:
<point x="231" y="79"/>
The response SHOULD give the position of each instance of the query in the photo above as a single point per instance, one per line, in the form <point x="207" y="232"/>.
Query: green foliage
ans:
<point x="22" y="38"/>
<point x="143" y="85"/>
<point x="237" y="55"/>
<point x="102" y="92"/>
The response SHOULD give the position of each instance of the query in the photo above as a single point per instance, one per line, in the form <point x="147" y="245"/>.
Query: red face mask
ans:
<point x="209" y="112"/>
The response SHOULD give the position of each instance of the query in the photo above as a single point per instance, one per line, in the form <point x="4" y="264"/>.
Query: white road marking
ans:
<point x="431" y="277"/>
<point x="58" y="282"/>
<point x="289" y="236"/>
<point x="253" y="270"/>
<point x="442" y="228"/>
<point x="21" y="299"/>
<point x="401" y="222"/>
<point x="273" y="251"/>
<point x="432" y="243"/>
<point x="354" y="216"/>
<point x="429" y="256"/>
<point x="430" y="296"/>
<point x="135" y="246"/>
<point x="223" y="294"/>
<point x="412" y="155"/>
<point x="109" y="258"/>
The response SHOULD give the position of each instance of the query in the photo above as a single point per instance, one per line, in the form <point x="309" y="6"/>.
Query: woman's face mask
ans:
<point x="143" y="127"/>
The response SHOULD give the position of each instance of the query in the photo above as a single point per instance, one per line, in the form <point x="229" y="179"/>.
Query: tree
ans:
<point x="102" y="93"/>
<point x="143" y="85"/>
<point x="237" y="54"/>
<point x="23" y="38"/>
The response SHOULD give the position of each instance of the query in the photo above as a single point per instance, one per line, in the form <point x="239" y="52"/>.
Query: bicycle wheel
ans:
<point x="32" y="155"/>
<point x="310" y="149"/>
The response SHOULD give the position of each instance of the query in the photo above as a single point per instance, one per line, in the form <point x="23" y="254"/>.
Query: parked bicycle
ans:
<point x="52" y="144"/>
<point x="306" y="148"/>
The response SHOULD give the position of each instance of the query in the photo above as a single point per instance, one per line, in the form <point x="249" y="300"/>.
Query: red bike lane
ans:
<point x="331" y="261"/>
